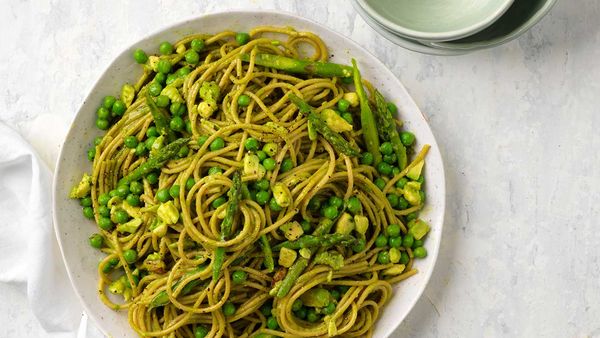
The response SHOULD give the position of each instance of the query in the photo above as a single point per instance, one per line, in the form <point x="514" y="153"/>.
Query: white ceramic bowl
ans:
<point x="73" y="230"/>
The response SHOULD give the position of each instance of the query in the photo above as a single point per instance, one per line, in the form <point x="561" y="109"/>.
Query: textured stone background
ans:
<point x="518" y="127"/>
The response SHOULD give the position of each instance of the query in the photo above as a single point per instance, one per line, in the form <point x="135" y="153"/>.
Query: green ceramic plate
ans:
<point x="435" y="20"/>
<point x="520" y="17"/>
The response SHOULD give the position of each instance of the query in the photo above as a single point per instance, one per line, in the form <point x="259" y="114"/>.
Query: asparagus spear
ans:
<point x="337" y="141"/>
<point x="311" y="241"/>
<point x="268" y="252"/>
<point x="292" y="275"/>
<point x="234" y="198"/>
<point x="367" y="120"/>
<point x="389" y="125"/>
<point x="324" y="69"/>
<point x="161" y="118"/>
<point x="156" y="161"/>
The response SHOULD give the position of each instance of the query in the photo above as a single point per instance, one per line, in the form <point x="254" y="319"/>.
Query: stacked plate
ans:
<point x="451" y="27"/>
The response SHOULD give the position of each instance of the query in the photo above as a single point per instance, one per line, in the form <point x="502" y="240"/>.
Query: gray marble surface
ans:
<point x="518" y="127"/>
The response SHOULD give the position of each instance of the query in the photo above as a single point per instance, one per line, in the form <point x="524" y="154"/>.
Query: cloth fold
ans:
<point x="29" y="252"/>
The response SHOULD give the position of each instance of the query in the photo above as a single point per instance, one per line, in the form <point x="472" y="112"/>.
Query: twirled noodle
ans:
<point x="359" y="289"/>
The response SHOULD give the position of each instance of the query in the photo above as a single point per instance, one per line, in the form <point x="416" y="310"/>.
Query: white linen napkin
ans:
<point x="29" y="253"/>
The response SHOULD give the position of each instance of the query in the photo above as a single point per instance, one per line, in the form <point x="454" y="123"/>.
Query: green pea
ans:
<point x="353" y="205"/>
<point x="163" y="195"/>
<point x="329" y="309"/>
<point x="367" y="158"/>
<point x="192" y="57"/>
<point x="218" y="202"/>
<point x="200" y="331"/>
<point x="149" y="142"/>
<point x="301" y="313"/>
<point x="422" y="195"/>
<point x="266" y="308"/>
<point x="239" y="276"/>
<point x="165" y="48"/>
<point x="417" y="243"/>
<point x="380" y="183"/>
<point x="274" y="206"/>
<point x="131" y="141"/>
<point x="348" y="117"/>
<point x="189" y="184"/>
<point x="175" y="107"/>
<point x="402" y="203"/>
<point x="159" y="78"/>
<point x="314" y="204"/>
<point x="286" y="165"/>
<point x="133" y="200"/>
<point x="105" y="223"/>
<point x="188" y="126"/>
<point x="393" y="230"/>
<point x="103" y="199"/>
<point x="261" y="155"/>
<point x="183" y="71"/>
<point x="136" y="188"/>
<point x="386" y="148"/>
<point x="395" y="242"/>
<point x="395" y="170"/>
<point x="401" y="182"/>
<point x="343" y="105"/>
<point x="202" y="139"/>
<point x="217" y="144"/>
<point x="407" y="138"/>
<point x="390" y="159"/>
<point x="262" y="197"/>
<point x="381" y="241"/>
<point x="140" y="56"/>
<point x="152" y="178"/>
<point x="110" y="265"/>
<point x="228" y="309"/>
<point x="121" y="216"/>
<point x="383" y="257"/>
<point x="113" y="193"/>
<point x="164" y="66"/>
<point x="91" y="153"/>
<point x="335" y="201"/>
<point x="407" y="241"/>
<point x="262" y="184"/>
<point x="152" y="132"/>
<point x="183" y="151"/>
<point x="305" y="226"/>
<point x="331" y="212"/>
<point x="251" y="144"/>
<point x="162" y="101"/>
<point x="197" y="45"/>
<point x="242" y="38"/>
<point x="243" y="100"/>
<point x="384" y="168"/>
<point x="88" y="212"/>
<point x="297" y="305"/>
<point x="411" y="216"/>
<point x="359" y="246"/>
<point x="311" y="315"/>
<point x="119" y="108"/>
<point x="102" y="124"/>
<point x="404" y="258"/>
<point x="421" y="179"/>
<point x="176" y="123"/>
<point x="393" y="200"/>
<point x="97" y="140"/>
<point x="170" y="79"/>
<point x="130" y="256"/>
<point x="108" y="101"/>
<point x="96" y="241"/>
<point x="155" y="88"/>
<point x="269" y="164"/>
<point x="420" y="252"/>
<point x="140" y="150"/>
<point x="104" y="211"/>
<point x="122" y="191"/>
<point x="174" y="190"/>
<point x="272" y="323"/>
<point x="86" y="202"/>
<point x="103" y="113"/>
<point x="215" y="171"/>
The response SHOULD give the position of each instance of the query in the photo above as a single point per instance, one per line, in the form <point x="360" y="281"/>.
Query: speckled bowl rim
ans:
<point x="70" y="166"/>
<point x="431" y="36"/>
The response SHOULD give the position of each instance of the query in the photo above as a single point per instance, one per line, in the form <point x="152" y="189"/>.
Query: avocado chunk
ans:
<point x="419" y="229"/>
<point x="362" y="224"/>
<point x="82" y="188"/>
<point x="130" y="226"/>
<point x="287" y="257"/>
<point x="317" y="297"/>
<point x="292" y="230"/>
<point x="415" y="171"/>
<point x="332" y="258"/>
<point x="252" y="166"/>
<point x="411" y="192"/>
<point x="345" y="224"/>
<point x="335" y="121"/>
